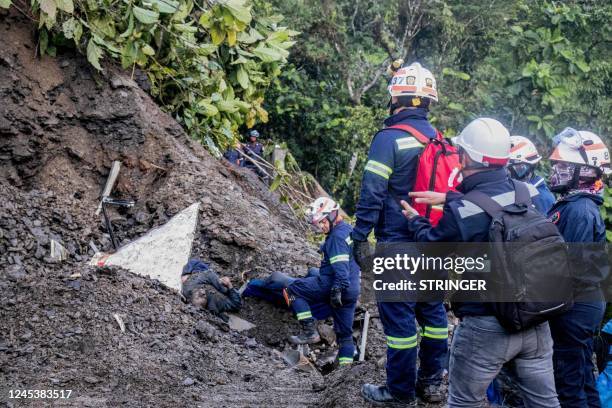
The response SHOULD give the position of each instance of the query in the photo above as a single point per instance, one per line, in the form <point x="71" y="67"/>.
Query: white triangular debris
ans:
<point x="161" y="253"/>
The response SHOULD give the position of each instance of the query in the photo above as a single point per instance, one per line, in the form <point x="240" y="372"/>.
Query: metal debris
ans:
<point x="364" y="336"/>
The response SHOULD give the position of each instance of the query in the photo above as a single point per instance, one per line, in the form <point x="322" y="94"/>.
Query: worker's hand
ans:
<point x="428" y="197"/>
<point x="336" y="297"/>
<point x="361" y="251"/>
<point x="408" y="211"/>
<point x="225" y="281"/>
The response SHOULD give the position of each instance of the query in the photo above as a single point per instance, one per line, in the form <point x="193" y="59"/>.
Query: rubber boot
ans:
<point x="308" y="333"/>
<point x="380" y="395"/>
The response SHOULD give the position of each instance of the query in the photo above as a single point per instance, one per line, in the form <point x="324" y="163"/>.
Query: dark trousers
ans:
<point x="398" y="319"/>
<point x="572" y="334"/>
<point x="314" y="290"/>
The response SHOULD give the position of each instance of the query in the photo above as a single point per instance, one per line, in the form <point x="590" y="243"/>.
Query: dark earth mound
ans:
<point x="114" y="338"/>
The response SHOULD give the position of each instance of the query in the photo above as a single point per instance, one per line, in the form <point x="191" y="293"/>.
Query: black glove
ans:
<point x="335" y="297"/>
<point x="361" y="251"/>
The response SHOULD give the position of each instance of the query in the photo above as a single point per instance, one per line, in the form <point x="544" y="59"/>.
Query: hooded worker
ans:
<point x="579" y="161"/>
<point x="524" y="159"/>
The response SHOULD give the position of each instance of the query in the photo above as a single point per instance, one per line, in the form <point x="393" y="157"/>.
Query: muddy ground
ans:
<point x="61" y="126"/>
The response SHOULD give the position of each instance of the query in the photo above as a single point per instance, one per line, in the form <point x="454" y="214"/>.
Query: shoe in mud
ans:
<point x="380" y="395"/>
<point x="308" y="333"/>
<point x="430" y="393"/>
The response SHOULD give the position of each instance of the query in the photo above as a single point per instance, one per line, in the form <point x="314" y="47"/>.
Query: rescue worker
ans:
<point x="253" y="148"/>
<point x="336" y="283"/>
<point x="524" y="158"/>
<point x="233" y="155"/>
<point x="389" y="175"/>
<point x="481" y="346"/>
<point x="579" y="160"/>
<point x="204" y="289"/>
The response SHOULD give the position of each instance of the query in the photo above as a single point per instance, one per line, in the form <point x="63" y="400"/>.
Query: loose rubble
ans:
<point x="113" y="337"/>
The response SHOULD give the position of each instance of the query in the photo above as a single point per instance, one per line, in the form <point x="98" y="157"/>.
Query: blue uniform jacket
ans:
<point x="578" y="219"/>
<point x="547" y="198"/>
<point x="251" y="148"/>
<point x="388" y="177"/>
<point x="463" y="221"/>
<point x="338" y="264"/>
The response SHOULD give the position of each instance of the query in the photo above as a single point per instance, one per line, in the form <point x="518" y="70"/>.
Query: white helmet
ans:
<point x="522" y="150"/>
<point x="414" y="80"/>
<point x="321" y="208"/>
<point x="486" y="141"/>
<point x="581" y="147"/>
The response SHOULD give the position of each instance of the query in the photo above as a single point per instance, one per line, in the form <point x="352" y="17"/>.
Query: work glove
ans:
<point x="336" y="297"/>
<point x="361" y="251"/>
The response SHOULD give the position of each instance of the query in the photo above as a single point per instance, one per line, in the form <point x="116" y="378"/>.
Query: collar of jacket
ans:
<point x="410" y="113"/>
<point x="597" y="199"/>
<point x="535" y="179"/>
<point x="482" y="177"/>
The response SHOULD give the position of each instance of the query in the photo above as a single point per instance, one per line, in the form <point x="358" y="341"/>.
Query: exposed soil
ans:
<point x="61" y="126"/>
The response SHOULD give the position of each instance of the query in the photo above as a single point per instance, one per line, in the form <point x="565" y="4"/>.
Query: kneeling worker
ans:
<point x="336" y="284"/>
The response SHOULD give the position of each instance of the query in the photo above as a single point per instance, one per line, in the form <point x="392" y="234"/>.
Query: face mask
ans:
<point x="561" y="177"/>
<point x="520" y="171"/>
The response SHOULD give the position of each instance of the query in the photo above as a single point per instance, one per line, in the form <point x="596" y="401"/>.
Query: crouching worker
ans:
<point x="204" y="289"/>
<point x="331" y="290"/>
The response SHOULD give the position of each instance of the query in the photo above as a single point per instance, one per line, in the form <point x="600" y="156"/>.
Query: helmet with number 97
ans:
<point x="414" y="80"/>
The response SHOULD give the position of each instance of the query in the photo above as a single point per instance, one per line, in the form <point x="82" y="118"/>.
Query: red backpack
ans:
<point x="438" y="169"/>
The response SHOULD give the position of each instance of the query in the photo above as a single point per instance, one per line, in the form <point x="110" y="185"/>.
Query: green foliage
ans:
<point x="208" y="63"/>
<point x="538" y="66"/>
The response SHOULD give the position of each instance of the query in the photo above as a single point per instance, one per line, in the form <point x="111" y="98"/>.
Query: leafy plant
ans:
<point x="208" y="63"/>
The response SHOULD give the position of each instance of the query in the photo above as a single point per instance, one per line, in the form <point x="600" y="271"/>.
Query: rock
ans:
<point x="318" y="386"/>
<point x="206" y="331"/>
<point x="239" y="324"/>
<point x="16" y="272"/>
<point x="327" y="333"/>
<point x="250" y="343"/>
<point x="187" y="382"/>
<point x="74" y="284"/>
<point x="122" y="82"/>
<point x="91" y="380"/>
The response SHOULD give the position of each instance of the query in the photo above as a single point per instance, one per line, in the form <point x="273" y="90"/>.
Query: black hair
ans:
<point x="410" y="101"/>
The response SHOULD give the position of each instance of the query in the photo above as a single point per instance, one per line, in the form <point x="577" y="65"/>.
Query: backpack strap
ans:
<point x="418" y="135"/>
<point x="489" y="205"/>
<point x="521" y="194"/>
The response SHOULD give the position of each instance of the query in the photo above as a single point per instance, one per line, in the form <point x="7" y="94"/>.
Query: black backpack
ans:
<point x="533" y="270"/>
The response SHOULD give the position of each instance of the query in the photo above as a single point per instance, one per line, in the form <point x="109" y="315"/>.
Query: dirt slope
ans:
<point x="61" y="126"/>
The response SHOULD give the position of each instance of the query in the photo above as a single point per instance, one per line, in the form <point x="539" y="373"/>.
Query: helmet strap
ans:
<point x="576" y="177"/>
<point x="583" y="154"/>
<point x="332" y="220"/>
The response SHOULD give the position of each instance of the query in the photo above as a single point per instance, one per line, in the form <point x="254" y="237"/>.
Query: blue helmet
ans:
<point x="253" y="133"/>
